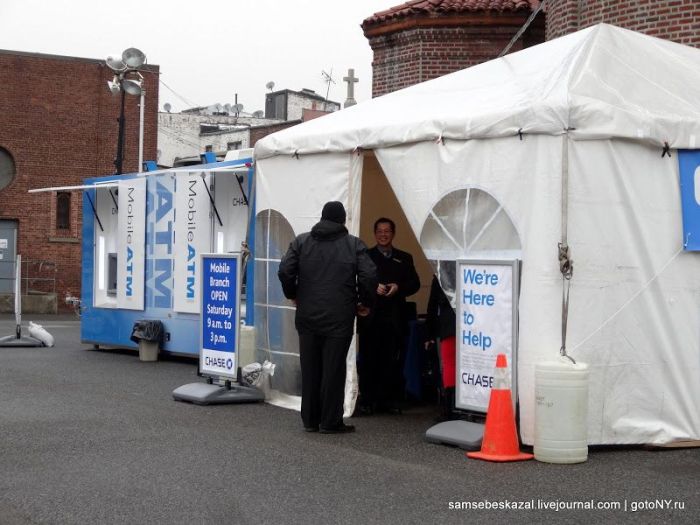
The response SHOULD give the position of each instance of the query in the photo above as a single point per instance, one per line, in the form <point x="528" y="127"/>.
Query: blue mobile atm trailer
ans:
<point x="143" y="234"/>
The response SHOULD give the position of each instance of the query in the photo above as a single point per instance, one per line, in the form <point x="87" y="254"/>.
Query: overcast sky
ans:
<point x="208" y="50"/>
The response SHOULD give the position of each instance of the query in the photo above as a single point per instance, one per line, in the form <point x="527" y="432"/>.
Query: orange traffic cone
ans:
<point x="500" y="442"/>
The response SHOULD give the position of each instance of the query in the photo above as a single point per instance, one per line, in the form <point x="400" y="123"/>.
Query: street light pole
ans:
<point x="119" y="159"/>
<point x="142" y="103"/>
<point x="132" y="59"/>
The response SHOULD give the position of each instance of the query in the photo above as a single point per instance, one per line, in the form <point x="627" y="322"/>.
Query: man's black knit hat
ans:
<point x="334" y="211"/>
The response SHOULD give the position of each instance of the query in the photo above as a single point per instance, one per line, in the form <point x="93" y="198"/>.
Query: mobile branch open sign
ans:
<point x="487" y="320"/>
<point x="221" y="303"/>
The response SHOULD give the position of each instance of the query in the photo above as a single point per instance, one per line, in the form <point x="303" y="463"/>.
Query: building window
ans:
<point x="7" y="168"/>
<point x="63" y="210"/>
<point x="233" y="145"/>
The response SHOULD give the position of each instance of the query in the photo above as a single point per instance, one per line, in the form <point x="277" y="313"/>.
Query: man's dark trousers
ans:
<point x="323" y="361"/>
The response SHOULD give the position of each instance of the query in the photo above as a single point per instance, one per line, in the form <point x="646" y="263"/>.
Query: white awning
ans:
<point x="105" y="184"/>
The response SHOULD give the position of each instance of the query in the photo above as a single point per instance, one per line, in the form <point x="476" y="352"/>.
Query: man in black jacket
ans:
<point x="330" y="277"/>
<point x="383" y="333"/>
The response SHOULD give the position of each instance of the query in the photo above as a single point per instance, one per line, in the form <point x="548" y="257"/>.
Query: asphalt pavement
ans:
<point x="94" y="436"/>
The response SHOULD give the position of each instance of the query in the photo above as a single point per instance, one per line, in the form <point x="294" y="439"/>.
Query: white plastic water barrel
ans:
<point x="561" y="412"/>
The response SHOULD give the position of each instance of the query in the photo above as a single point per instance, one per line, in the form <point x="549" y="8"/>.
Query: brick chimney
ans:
<point x="424" y="39"/>
<point x="675" y="20"/>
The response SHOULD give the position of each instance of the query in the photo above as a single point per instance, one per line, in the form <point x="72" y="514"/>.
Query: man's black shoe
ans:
<point x="310" y="429"/>
<point x="340" y="429"/>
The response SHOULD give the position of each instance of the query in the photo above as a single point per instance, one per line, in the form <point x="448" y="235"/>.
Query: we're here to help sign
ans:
<point x="486" y="322"/>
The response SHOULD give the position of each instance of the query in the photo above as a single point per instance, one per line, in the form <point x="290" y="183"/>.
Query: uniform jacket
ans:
<point x="397" y="269"/>
<point x="327" y="271"/>
<point x="389" y="313"/>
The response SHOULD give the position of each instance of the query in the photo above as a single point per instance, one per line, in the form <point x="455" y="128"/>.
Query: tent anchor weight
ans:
<point x="466" y="435"/>
<point x="212" y="394"/>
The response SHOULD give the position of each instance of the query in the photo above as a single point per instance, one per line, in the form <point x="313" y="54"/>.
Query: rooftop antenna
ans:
<point x="328" y="79"/>
<point x="167" y="107"/>
<point x="270" y="85"/>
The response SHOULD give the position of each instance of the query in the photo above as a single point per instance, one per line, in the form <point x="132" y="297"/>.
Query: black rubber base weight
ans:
<point x="206" y="394"/>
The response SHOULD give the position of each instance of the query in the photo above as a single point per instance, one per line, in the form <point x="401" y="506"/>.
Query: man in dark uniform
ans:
<point x="330" y="277"/>
<point x="383" y="332"/>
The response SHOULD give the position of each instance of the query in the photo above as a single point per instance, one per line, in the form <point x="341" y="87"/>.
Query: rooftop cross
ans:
<point x="350" y="79"/>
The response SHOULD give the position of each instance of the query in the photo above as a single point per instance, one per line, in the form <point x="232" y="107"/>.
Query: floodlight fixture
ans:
<point x="113" y="85"/>
<point x="133" y="58"/>
<point x="132" y="87"/>
<point x="115" y="64"/>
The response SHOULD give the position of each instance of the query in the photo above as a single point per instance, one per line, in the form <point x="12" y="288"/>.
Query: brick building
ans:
<point x="675" y="20"/>
<point x="425" y="39"/>
<point x="58" y="126"/>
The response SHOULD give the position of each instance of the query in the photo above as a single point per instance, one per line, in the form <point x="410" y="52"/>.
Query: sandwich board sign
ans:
<point x="487" y="321"/>
<point x="221" y="304"/>
<point x="219" y="334"/>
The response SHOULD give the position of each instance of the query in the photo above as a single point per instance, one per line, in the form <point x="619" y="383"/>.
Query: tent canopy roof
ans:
<point x="600" y="82"/>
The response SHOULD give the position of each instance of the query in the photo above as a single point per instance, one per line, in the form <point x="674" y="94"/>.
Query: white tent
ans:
<point x="479" y="160"/>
